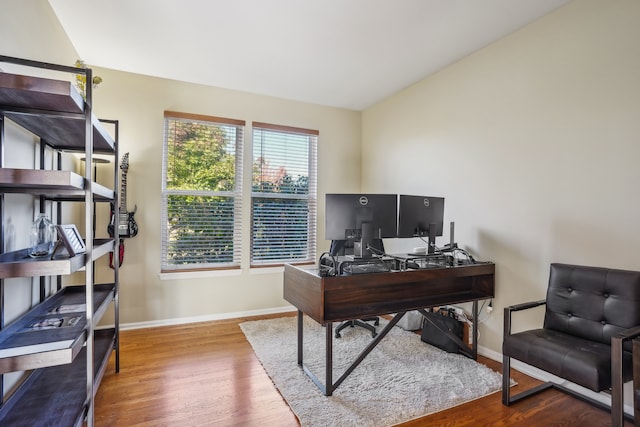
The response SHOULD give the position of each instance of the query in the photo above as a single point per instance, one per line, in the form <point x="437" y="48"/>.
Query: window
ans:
<point x="283" y="196"/>
<point x="201" y="192"/>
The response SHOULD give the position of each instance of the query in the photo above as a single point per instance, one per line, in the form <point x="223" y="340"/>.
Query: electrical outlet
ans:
<point x="458" y="311"/>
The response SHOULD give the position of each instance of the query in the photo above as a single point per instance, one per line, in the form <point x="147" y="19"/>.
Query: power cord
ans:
<point x="325" y="270"/>
<point x="461" y="315"/>
<point x="453" y="249"/>
<point x="379" y="254"/>
<point x="482" y="310"/>
<point x="376" y="251"/>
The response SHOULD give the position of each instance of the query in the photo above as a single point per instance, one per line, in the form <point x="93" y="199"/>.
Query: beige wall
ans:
<point x="30" y="29"/>
<point x="139" y="102"/>
<point x="533" y="141"/>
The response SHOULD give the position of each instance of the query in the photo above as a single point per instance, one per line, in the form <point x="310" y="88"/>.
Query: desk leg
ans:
<point x="474" y="338"/>
<point x="367" y="349"/>
<point x="329" y="386"/>
<point x="300" y="336"/>
<point x="329" y="360"/>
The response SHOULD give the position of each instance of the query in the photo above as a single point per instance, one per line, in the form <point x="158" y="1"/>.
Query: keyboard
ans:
<point x="368" y="268"/>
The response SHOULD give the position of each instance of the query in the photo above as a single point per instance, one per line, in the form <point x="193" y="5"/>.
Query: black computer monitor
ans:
<point x="361" y="218"/>
<point x="421" y="216"/>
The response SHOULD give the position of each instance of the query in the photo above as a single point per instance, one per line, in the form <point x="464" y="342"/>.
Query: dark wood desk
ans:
<point x="335" y="299"/>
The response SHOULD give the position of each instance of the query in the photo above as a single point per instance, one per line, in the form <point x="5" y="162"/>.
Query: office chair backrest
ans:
<point x="592" y="302"/>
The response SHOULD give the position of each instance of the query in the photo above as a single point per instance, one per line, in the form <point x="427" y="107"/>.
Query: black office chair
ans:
<point x="345" y="247"/>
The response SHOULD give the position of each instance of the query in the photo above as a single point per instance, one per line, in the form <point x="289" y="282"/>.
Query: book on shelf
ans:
<point x="68" y="308"/>
<point x="53" y="323"/>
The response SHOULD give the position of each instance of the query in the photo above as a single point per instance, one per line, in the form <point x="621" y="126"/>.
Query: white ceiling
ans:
<point x="341" y="53"/>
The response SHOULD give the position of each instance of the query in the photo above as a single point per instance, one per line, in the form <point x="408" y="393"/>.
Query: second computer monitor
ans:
<point x="420" y="216"/>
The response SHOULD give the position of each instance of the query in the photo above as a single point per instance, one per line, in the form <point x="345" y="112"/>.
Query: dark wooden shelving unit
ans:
<point x="61" y="352"/>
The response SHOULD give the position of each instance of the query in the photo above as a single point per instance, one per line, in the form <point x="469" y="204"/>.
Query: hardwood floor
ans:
<point x="206" y="374"/>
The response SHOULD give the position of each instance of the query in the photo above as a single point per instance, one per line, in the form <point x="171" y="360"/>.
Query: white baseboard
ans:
<point x="204" y="318"/>
<point x="545" y="376"/>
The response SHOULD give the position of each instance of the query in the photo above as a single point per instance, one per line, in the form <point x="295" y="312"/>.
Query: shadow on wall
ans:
<point x="518" y="267"/>
<point x="606" y="244"/>
<point x="520" y="277"/>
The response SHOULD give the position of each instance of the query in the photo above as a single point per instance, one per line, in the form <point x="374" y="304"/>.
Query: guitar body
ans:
<point x="127" y="225"/>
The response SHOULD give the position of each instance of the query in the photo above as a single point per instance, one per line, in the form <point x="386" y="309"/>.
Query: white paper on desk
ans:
<point x="36" y="348"/>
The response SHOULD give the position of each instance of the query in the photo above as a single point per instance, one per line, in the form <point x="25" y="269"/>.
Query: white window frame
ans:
<point x="236" y="194"/>
<point x="307" y="254"/>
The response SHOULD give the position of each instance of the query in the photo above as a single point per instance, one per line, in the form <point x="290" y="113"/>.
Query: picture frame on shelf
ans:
<point x="71" y="239"/>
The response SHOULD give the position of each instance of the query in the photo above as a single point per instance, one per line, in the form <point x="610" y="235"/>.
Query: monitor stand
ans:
<point x="360" y="248"/>
<point x="431" y="247"/>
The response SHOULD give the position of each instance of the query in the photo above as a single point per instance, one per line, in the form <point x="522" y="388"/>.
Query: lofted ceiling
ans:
<point x="341" y="53"/>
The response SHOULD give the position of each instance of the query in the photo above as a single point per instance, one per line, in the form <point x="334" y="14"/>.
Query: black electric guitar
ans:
<point x="127" y="226"/>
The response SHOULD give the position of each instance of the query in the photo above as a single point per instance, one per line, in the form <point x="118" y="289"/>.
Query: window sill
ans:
<point x="266" y="270"/>
<point x="182" y="275"/>
<point x="199" y="274"/>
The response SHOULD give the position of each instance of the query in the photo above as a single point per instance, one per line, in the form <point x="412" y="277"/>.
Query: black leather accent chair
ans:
<point x="591" y="316"/>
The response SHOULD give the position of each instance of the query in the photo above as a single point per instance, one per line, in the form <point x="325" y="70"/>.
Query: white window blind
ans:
<point x="284" y="195"/>
<point x="201" y="192"/>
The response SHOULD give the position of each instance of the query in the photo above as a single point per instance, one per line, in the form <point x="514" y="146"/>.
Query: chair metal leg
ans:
<point x="617" y="415"/>
<point x="507" y="399"/>
<point x="617" y="383"/>
<point x="506" y="380"/>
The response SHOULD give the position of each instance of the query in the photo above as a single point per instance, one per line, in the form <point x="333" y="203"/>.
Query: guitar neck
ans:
<point x="123" y="193"/>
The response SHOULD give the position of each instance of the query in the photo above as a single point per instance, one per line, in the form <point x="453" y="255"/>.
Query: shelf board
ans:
<point x="56" y="396"/>
<point x="65" y="133"/>
<point x="51" y="109"/>
<point x="53" y="184"/>
<point x="22" y="348"/>
<point x="20" y="264"/>
<point x="39" y="181"/>
<point x="29" y="92"/>
<point x="102" y="193"/>
<point x="101" y="247"/>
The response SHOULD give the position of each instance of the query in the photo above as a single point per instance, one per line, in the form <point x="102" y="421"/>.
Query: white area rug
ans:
<point x="401" y="379"/>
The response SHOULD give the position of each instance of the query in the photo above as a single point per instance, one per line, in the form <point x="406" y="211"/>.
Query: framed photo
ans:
<point x="71" y="239"/>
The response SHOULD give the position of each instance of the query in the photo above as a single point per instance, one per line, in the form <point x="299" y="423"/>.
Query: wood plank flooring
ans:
<point x="206" y="374"/>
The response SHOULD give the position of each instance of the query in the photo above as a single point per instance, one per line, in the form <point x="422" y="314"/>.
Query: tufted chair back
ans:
<point x="592" y="302"/>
